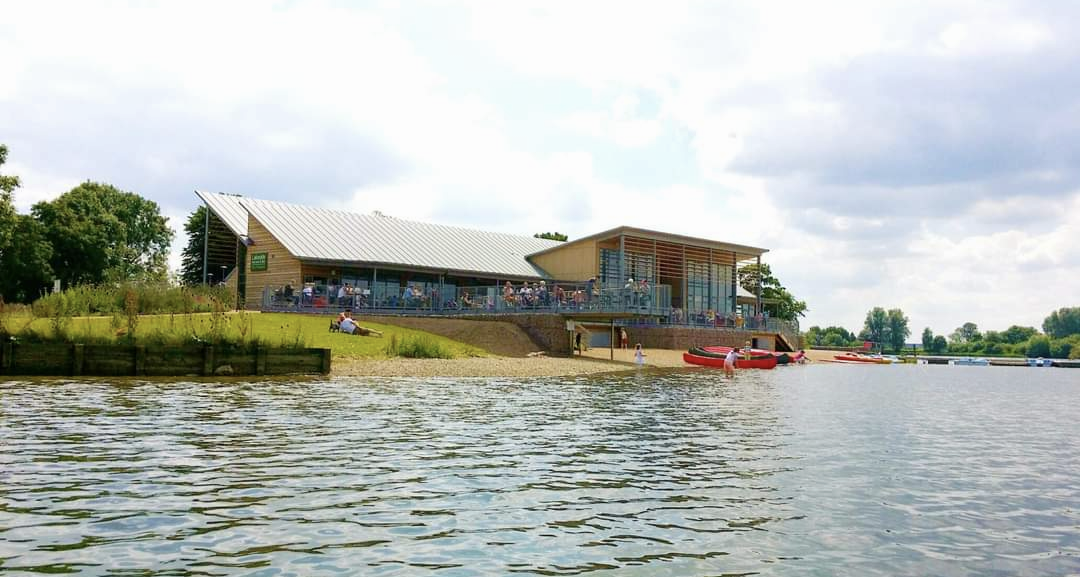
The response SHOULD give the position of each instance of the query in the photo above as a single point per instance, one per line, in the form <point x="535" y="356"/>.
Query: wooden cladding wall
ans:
<point x="577" y="262"/>
<point x="281" y="266"/>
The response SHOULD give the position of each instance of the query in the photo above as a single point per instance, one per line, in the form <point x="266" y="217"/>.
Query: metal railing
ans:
<point x="650" y="305"/>
<point x="489" y="299"/>
<point x="703" y="320"/>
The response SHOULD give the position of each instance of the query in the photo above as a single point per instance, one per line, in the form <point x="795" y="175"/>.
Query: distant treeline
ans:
<point x="1060" y="337"/>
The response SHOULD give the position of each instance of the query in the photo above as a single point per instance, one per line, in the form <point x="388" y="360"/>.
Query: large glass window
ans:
<point x="708" y="286"/>
<point x="610" y="271"/>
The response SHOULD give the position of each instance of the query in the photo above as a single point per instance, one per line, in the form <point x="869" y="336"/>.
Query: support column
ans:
<point x="759" y="275"/>
<point x="734" y="283"/>
<point x="206" y="243"/>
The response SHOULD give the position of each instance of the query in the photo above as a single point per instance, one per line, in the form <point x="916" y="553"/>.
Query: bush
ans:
<point x="1061" y="348"/>
<point x="416" y="348"/>
<point x="1038" y="346"/>
<point x="149" y="299"/>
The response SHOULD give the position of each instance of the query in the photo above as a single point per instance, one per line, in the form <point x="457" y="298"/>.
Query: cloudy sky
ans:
<point x="920" y="155"/>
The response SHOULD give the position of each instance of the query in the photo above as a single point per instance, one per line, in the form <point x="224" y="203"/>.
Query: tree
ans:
<point x="876" y="325"/>
<point x="8" y="184"/>
<point x="780" y="303"/>
<point x="24" y="251"/>
<point x="100" y="233"/>
<point x="191" y="258"/>
<point x="927" y="339"/>
<point x="1038" y="346"/>
<point x="27" y="274"/>
<point x="829" y="337"/>
<point x="968" y="333"/>
<point x="940" y="344"/>
<point x="1062" y="323"/>
<point x="898" y="329"/>
<point x="552" y="236"/>
<point x="1016" y="334"/>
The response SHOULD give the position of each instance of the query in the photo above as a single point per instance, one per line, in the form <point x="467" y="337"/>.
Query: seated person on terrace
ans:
<point x="508" y="294"/>
<point x="466" y="300"/>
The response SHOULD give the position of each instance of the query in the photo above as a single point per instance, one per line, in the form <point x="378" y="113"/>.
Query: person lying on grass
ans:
<point x="349" y="326"/>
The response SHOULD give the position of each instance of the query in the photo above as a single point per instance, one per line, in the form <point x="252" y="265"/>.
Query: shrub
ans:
<point x="152" y="298"/>
<point x="416" y="348"/>
<point x="1038" y="346"/>
<point x="1060" y="348"/>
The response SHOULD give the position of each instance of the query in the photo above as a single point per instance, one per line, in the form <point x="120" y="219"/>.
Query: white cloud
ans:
<point x="889" y="153"/>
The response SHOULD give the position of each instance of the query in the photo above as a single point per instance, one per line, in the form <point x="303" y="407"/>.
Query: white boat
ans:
<point x="970" y="362"/>
<point x="1040" y="362"/>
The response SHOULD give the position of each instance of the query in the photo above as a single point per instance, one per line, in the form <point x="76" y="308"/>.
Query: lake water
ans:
<point x="817" y="470"/>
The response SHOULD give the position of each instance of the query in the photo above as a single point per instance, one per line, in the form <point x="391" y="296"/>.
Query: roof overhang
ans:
<point x="415" y="268"/>
<point x="742" y="252"/>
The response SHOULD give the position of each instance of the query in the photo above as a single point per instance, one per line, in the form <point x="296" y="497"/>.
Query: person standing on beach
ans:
<point x="624" y="339"/>
<point x="729" y="362"/>
<point x="639" y="355"/>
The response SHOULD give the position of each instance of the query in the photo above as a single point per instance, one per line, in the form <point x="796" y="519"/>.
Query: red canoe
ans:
<point x="766" y="362"/>
<point x="782" y="358"/>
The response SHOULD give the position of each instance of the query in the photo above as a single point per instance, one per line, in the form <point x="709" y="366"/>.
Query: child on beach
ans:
<point x="639" y="355"/>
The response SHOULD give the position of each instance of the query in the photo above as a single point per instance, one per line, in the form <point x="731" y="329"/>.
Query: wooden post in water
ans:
<point x="78" y="353"/>
<point x="326" y="361"/>
<point x="208" y="361"/>
<point x="7" y="357"/>
<point x="260" y="360"/>
<point x="140" y="360"/>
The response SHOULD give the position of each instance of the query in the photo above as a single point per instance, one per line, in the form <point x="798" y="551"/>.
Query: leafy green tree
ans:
<point x="876" y="326"/>
<point x="1017" y="334"/>
<point x="1063" y="322"/>
<point x="552" y="236"/>
<point x="1038" y="346"/>
<point x="898" y="329"/>
<point x="191" y="258"/>
<point x="927" y="340"/>
<point x="940" y="344"/>
<point x="1060" y="348"/>
<point x="780" y="303"/>
<point x="829" y="337"/>
<point x="25" y="262"/>
<point x="8" y="184"/>
<point x="968" y="333"/>
<point x="24" y="252"/>
<point x="100" y="233"/>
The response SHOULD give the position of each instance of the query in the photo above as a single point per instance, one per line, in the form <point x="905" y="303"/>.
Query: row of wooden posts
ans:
<point x="137" y="360"/>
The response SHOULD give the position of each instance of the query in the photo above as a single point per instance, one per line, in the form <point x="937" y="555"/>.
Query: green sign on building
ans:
<point x="258" y="261"/>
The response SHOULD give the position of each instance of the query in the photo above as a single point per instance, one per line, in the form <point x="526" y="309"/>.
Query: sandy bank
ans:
<point x="476" y="367"/>
<point x="594" y="361"/>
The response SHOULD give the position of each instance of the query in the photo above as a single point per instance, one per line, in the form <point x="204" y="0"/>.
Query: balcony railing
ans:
<point x="649" y="306"/>
<point x="491" y="299"/>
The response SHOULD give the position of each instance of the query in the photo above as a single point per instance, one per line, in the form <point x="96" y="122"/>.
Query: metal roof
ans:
<point x="227" y="208"/>
<point x="337" y="236"/>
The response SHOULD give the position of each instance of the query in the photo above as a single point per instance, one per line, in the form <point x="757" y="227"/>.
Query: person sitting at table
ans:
<point x="466" y="300"/>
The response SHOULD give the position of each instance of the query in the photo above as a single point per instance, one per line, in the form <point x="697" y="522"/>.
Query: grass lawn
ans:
<point x="271" y="328"/>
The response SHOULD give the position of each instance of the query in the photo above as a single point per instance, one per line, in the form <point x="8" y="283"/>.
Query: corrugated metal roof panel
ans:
<point x="227" y="208"/>
<point x="330" y="235"/>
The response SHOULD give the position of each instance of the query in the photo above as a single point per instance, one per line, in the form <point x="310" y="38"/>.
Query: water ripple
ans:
<point x="803" y="471"/>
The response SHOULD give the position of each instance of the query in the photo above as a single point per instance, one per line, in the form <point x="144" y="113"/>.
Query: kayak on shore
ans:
<point x="868" y="359"/>
<point x="754" y="362"/>
<point x="781" y="358"/>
